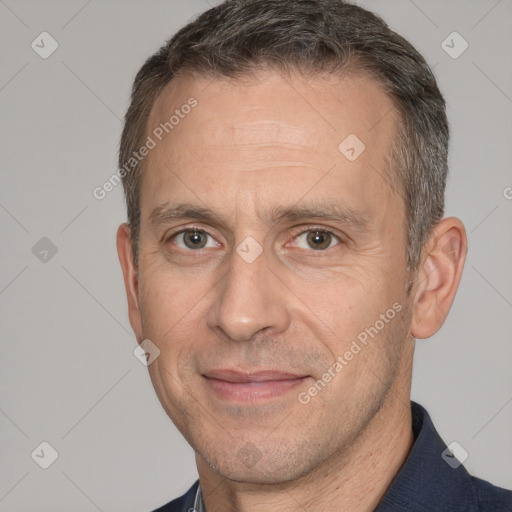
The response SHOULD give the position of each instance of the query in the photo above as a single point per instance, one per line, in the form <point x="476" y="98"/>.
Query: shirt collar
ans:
<point x="426" y="482"/>
<point x="198" y="501"/>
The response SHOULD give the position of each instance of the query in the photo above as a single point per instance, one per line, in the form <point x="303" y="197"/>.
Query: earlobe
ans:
<point x="438" y="277"/>
<point x="125" y="254"/>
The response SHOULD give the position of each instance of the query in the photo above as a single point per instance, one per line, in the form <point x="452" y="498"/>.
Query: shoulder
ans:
<point x="491" y="498"/>
<point x="432" y="480"/>
<point x="184" y="503"/>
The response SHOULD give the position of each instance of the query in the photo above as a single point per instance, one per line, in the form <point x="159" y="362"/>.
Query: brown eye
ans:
<point x="317" y="239"/>
<point x="193" y="239"/>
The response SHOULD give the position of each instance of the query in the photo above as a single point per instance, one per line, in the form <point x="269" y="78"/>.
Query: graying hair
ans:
<point x="239" y="37"/>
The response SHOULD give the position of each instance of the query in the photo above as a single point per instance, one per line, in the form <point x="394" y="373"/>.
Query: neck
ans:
<point x="355" y="480"/>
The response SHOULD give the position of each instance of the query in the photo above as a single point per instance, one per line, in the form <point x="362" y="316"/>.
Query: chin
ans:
<point x="258" y="476"/>
<point x="252" y="466"/>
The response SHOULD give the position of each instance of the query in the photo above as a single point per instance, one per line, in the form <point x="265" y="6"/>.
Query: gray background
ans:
<point x="68" y="375"/>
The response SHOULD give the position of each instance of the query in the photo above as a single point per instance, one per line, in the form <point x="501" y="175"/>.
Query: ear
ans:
<point x="438" y="276"/>
<point x="125" y="253"/>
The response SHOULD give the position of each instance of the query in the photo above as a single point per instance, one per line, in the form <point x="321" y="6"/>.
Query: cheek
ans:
<point x="170" y="322"/>
<point x="165" y="299"/>
<point x="343" y="303"/>
<point x="360" y="321"/>
<point x="173" y="393"/>
<point x="173" y="311"/>
<point x="163" y="318"/>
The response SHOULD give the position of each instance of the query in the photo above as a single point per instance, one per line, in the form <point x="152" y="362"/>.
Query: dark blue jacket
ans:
<point x="426" y="482"/>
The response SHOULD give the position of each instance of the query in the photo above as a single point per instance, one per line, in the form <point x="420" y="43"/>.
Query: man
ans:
<point x="284" y="165"/>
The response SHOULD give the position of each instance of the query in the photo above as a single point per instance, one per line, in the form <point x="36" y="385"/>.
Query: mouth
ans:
<point x="251" y="387"/>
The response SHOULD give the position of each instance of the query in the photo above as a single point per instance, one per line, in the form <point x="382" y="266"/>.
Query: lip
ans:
<point x="251" y="386"/>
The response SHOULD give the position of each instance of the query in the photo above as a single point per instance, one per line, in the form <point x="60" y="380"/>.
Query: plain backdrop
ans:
<point x="67" y="371"/>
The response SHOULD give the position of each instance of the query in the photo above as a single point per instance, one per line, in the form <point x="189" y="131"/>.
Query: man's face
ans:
<point x="251" y="306"/>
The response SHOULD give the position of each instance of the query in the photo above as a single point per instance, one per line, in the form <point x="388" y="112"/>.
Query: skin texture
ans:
<point x="271" y="141"/>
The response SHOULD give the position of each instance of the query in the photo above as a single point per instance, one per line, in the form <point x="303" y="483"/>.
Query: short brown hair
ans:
<point x="240" y="36"/>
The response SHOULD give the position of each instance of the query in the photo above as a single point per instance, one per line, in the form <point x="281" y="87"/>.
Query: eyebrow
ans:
<point x="335" y="212"/>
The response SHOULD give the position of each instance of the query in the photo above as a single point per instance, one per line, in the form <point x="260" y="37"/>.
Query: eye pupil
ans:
<point x="319" y="239"/>
<point x="193" y="239"/>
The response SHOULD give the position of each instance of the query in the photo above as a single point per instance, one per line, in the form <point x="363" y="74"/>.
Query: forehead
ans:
<point x="269" y="137"/>
<point x="288" y="103"/>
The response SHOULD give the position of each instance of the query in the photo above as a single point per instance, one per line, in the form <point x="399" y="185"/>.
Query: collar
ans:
<point x="198" y="501"/>
<point x="426" y="482"/>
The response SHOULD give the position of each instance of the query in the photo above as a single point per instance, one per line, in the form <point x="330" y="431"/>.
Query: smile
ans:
<point x="251" y="387"/>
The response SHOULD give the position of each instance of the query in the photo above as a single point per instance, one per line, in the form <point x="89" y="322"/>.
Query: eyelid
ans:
<point x="182" y="229"/>
<point x="305" y="228"/>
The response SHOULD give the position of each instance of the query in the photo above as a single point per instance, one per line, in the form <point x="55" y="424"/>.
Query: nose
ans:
<point x="250" y="298"/>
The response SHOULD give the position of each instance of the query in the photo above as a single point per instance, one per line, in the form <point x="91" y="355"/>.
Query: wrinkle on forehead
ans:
<point x="250" y="103"/>
<point x="264" y="130"/>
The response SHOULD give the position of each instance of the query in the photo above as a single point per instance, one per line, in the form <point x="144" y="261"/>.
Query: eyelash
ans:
<point x="296" y="235"/>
